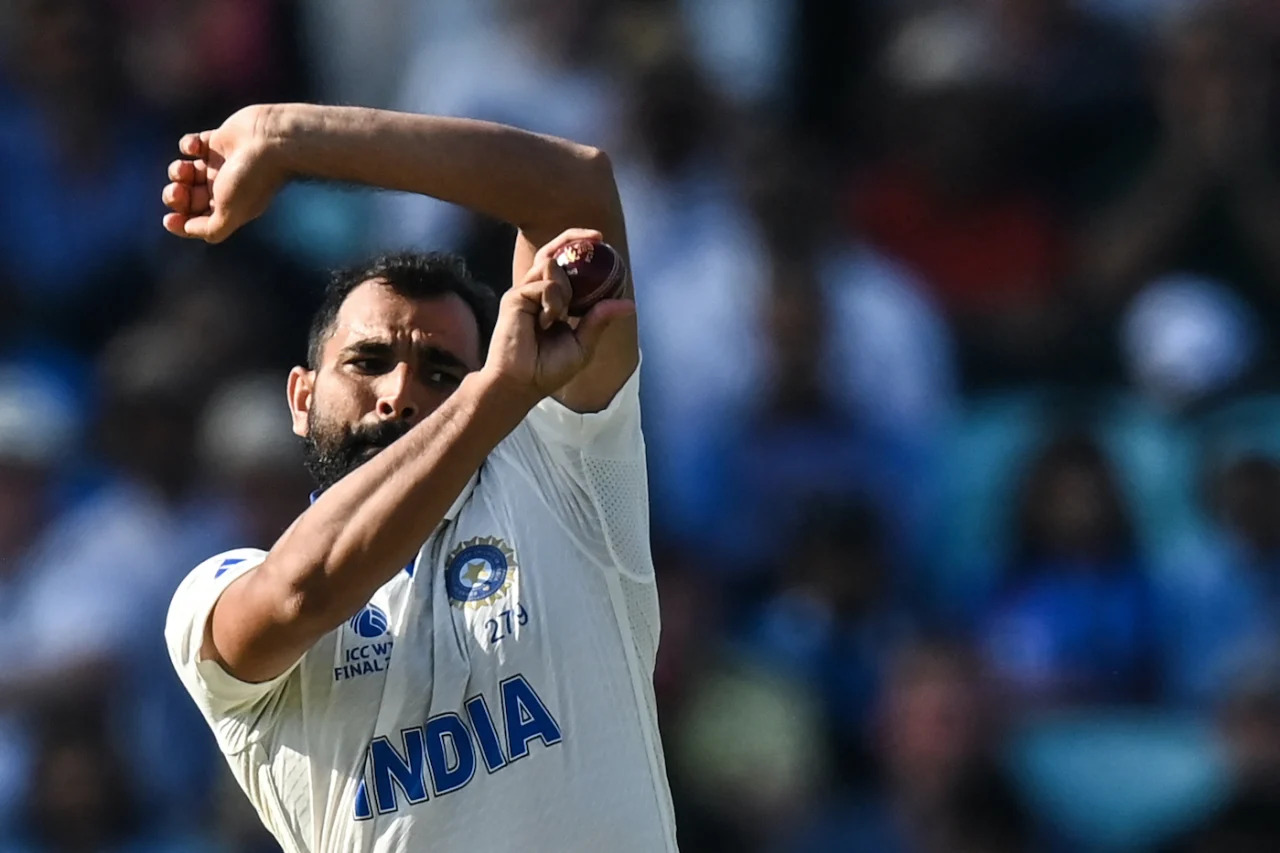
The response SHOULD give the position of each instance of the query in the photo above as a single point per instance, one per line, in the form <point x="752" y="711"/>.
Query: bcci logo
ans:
<point x="369" y="623"/>
<point x="479" y="571"/>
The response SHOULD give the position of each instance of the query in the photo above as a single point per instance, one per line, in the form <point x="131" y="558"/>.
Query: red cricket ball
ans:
<point x="595" y="271"/>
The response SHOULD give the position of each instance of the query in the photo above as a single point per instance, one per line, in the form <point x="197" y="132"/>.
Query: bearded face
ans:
<point x="389" y="362"/>
<point x="333" y="449"/>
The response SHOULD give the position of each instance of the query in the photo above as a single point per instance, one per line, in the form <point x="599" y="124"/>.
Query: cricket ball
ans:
<point x="595" y="272"/>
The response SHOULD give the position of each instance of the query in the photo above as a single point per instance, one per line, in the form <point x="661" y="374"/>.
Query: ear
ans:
<point x="301" y="388"/>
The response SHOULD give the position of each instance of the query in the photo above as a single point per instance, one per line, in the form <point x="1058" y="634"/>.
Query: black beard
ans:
<point x="332" y="453"/>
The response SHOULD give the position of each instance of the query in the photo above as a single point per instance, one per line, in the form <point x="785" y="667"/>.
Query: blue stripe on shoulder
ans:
<point x="226" y="564"/>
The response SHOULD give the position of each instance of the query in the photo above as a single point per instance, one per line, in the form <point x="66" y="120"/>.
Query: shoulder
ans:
<point x="195" y="597"/>
<point x="612" y="431"/>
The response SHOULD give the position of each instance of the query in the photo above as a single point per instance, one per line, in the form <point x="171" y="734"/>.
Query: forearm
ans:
<point x="537" y="183"/>
<point x="359" y="533"/>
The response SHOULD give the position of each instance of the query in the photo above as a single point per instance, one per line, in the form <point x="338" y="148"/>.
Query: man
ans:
<point x="452" y="648"/>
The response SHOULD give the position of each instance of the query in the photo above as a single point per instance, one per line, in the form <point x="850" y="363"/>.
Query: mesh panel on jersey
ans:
<point x="620" y="490"/>
<point x="641" y="600"/>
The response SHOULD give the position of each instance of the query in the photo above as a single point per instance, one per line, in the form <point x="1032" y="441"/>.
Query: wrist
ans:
<point x="282" y="131"/>
<point x="503" y="396"/>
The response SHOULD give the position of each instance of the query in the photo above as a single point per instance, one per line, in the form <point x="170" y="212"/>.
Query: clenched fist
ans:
<point x="228" y="177"/>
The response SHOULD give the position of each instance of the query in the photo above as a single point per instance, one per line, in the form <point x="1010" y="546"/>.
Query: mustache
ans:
<point x="380" y="435"/>
<point x="330" y="455"/>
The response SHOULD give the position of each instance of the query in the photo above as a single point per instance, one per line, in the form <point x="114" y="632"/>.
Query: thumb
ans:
<point x="212" y="227"/>
<point x="597" y="320"/>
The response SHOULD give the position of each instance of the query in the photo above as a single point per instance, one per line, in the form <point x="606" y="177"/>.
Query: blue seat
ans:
<point x="1112" y="781"/>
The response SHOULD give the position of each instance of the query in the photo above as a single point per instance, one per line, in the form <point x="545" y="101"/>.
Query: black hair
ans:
<point x="416" y="275"/>
<point x="1079" y="450"/>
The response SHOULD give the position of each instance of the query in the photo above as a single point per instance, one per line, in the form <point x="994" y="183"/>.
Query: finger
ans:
<point x="195" y="144"/>
<point x="602" y="315"/>
<point x="186" y="199"/>
<point x="174" y="223"/>
<point x="550" y="250"/>
<point x="525" y="298"/>
<point x="541" y="298"/>
<point x="177" y="197"/>
<point x="556" y="294"/>
<point x="189" y="171"/>
<point x="211" y="228"/>
<point x="555" y="291"/>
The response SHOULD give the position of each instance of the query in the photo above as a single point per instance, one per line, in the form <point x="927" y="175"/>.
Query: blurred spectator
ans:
<point x="1248" y="825"/>
<point x="696" y="255"/>
<point x="749" y="758"/>
<point x="1249" y="722"/>
<point x="37" y="432"/>
<point x="251" y="455"/>
<point x="1080" y="77"/>
<point x="941" y="790"/>
<point x="76" y="158"/>
<point x="234" y="823"/>
<point x="342" y="38"/>
<point x="832" y="619"/>
<point x="689" y="615"/>
<point x="741" y="44"/>
<point x="1074" y="622"/>
<point x="81" y="800"/>
<point x="892" y="364"/>
<point x="800" y="445"/>
<point x="1221" y="606"/>
<point x="195" y="62"/>
<point x="1206" y="198"/>
<point x="948" y="197"/>
<point x="103" y="572"/>
<point x="540" y="71"/>
<point x="1187" y="340"/>
<point x="1070" y="61"/>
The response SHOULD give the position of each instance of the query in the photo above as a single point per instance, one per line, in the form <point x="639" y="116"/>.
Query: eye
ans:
<point x="440" y="377"/>
<point x="370" y="364"/>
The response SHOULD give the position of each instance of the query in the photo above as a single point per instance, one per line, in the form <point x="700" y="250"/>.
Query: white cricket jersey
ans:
<point x="495" y="695"/>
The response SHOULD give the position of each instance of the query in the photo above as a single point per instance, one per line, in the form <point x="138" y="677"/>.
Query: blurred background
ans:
<point x="961" y="324"/>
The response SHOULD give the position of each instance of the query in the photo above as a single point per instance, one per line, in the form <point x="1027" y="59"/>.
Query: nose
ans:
<point x="396" y="400"/>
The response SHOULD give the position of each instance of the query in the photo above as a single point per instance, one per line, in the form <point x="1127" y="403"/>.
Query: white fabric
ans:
<point x="549" y="643"/>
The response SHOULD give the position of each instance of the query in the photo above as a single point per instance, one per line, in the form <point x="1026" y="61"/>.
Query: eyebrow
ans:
<point x="433" y="355"/>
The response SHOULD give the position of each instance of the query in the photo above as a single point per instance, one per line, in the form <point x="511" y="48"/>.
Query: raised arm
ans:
<point x="368" y="525"/>
<point x="540" y="184"/>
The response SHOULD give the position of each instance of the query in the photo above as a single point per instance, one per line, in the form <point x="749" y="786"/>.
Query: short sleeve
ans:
<point x="591" y="468"/>
<point x="611" y="433"/>
<point x="216" y="692"/>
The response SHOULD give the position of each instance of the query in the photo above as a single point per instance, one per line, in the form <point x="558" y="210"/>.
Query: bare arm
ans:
<point x="357" y="535"/>
<point x="540" y="184"/>
<point x="366" y="527"/>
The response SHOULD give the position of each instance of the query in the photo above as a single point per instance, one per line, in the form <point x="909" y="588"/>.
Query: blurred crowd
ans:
<point x="961" y="331"/>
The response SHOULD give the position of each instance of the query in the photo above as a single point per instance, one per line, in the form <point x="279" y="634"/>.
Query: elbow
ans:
<point x="311" y="605"/>
<point x="600" y="169"/>
<point x="599" y="206"/>
<point x="304" y="599"/>
<point x="598" y="174"/>
<point x="599" y="164"/>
